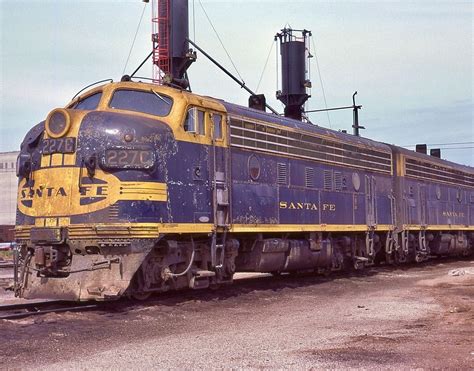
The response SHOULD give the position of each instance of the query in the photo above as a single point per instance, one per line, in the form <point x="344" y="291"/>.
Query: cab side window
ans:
<point x="194" y="122"/>
<point x="217" y="123"/>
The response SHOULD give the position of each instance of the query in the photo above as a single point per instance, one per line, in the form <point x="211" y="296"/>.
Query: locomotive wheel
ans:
<point x="141" y="296"/>
<point x="138" y="285"/>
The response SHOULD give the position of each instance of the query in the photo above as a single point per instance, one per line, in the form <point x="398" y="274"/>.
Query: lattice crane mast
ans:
<point x="171" y="53"/>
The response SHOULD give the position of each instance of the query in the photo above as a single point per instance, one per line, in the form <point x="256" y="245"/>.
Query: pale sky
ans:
<point x="410" y="61"/>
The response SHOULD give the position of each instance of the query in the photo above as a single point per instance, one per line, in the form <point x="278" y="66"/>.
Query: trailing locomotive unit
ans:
<point x="136" y="188"/>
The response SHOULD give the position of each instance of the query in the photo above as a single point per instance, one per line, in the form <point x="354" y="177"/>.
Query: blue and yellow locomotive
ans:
<point x="135" y="188"/>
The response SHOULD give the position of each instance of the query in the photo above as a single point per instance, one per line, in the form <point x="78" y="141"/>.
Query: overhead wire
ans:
<point x="309" y="55"/>
<point x="220" y="40"/>
<point x="134" y="39"/>
<point x="265" y="66"/>
<point x="440" y="144"/>
<point x="321" y="81"/>
<point x="447" y="148"/>
<point x="194" y="23"/>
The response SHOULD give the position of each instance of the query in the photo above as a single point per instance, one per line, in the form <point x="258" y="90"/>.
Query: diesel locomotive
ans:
<point x="135" y="188"/>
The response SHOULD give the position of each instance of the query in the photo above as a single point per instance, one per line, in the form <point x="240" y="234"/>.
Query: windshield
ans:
<point x="150" y="102"/>
<point x="88" y="103"/>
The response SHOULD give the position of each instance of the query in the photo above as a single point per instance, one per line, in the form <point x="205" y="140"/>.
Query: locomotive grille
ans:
<point x="437" y="173"/>
<point x="338" y="181"/>
<point x="113" y="213"/>
<point x="309" y="177"/>
<point x="328" y="180"/>
<point x="282" y="173"/>
<point x="278" y="140"/>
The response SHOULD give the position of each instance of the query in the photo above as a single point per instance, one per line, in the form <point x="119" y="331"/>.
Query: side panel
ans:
<point x="296" y="192"/>
<point x="424" y="202"/>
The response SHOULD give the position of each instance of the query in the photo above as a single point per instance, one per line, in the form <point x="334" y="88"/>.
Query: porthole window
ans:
<point x="254" y="167"/>
<point x="438" y="192"/>
<point x="356" y="181"/>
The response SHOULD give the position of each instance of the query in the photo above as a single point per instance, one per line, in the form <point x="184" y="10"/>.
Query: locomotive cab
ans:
<point x="109" y="175"/>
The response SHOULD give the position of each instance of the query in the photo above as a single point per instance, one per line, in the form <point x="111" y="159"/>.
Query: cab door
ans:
<point x="220" y="166"/>
<point x="423" y="204"/>
<point x="370" y="200"/>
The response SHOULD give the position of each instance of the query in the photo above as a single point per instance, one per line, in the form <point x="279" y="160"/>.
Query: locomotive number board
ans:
<point x="129" y="158"/>
<point x="59" y="145"/>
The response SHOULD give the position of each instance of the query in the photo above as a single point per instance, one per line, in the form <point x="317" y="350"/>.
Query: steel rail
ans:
<point x="6" y="264"/>
<point x="23" y="310"/>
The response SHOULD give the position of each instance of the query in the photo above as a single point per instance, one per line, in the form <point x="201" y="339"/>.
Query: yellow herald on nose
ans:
<point x="56" y="192"/>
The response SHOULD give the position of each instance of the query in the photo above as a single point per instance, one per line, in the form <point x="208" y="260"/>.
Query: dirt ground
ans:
<point x="390" y="318"/>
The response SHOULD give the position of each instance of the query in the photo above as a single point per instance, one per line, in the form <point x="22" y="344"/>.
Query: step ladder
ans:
<point x="221" y="203"/>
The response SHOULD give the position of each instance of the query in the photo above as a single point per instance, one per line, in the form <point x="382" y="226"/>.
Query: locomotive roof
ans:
<point x="348" y="138"/>
<point x="303" y="126"/>
<point x="431" y="159"/>
<point x="270" y="118"/>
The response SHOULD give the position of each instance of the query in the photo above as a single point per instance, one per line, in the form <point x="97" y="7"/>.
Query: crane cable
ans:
<point x="220" y="40"/>
<point x="134" y="38"/>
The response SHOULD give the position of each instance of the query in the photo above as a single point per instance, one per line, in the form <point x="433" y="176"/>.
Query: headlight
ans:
<point x="58" y="123"/>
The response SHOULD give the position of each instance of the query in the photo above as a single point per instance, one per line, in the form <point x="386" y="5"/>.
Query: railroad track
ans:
<point x="23" y="310"/>
<point x="6" y="264"/>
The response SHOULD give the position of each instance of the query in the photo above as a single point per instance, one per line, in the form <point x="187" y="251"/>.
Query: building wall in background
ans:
<point x="8" y="187"/>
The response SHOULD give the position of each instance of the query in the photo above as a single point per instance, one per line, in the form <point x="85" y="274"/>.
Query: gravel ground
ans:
<point x="418" y="317"/>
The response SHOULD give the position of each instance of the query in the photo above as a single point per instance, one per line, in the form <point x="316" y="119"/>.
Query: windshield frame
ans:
<point x="158" y="96"/>
<point x="80" y="99"/>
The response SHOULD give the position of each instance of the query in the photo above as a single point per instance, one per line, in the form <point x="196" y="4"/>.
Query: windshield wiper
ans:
<point x="160" y="97"/>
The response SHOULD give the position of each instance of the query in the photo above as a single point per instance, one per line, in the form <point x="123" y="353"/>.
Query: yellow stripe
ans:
<point x="153" y="230"/>
<point x="68" y="201"/>
<point x="143" y="191"/>
<point x="249" y="228"/>
<point x="400" y="165"/>
<point x="135" y="230"/>
<point x="439" y="227"/>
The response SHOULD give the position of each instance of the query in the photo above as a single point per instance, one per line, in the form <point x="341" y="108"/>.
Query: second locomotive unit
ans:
<point x="135" y="188"/>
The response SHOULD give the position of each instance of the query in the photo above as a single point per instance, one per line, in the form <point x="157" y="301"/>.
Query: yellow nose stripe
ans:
<point x="55" y="192"/>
